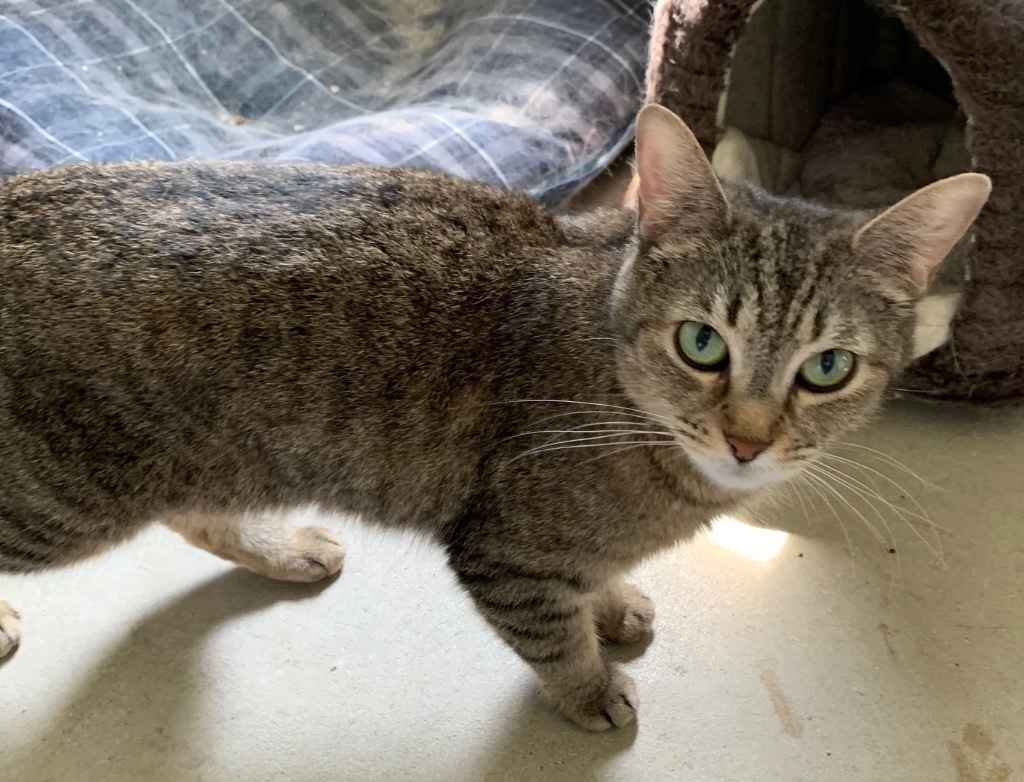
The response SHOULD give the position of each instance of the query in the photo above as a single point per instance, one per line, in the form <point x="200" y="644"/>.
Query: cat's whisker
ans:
<point x="884" y="457"/>
<point x="604" y="435"/>
<point x="893" y="548"/>
<point x="892" y="565"/>
<point x="919" y="391"/>
<point x="922" y="515"/>
<point x="670" y="424"/>
<point x="799" y="495"/>
<point x="863" y="468"/>
<point x="824" y="498"/>
<point x="824" y="479"/>
<point x="593" y="445"/>
<point x="612" y="453"/>
<point x="634" y="410"/>
<point x="635" y="428"/>
<point x="580" y="430"/>
<point x="633" y="423"/>
<point x="873" y="488"/>
<point x="587" y="443"/>
<point x="598" y="438"/>
<point x="637" y="417"/>
<point x="867" y="495"/>
<point x="607" y="423"/>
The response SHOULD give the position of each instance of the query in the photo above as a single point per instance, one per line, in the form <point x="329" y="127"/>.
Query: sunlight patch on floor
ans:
<point x="752" y="542"/>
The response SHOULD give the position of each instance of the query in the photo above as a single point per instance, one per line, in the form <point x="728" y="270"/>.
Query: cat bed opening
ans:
<point x="859" y="104"/>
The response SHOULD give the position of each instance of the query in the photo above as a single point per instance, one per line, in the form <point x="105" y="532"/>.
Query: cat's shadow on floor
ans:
<point x="132" y="719"/>
<point x="131" y="715"/>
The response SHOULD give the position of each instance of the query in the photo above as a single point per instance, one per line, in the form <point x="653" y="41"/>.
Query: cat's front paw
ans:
<point x="624" y="615"/>
<point x="10" y="629"/>
<point x="612" y="702"/>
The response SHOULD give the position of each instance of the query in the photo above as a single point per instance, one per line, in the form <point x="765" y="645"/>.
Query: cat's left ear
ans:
<point x="679" y="191"/>
<point x="913" y="237"/>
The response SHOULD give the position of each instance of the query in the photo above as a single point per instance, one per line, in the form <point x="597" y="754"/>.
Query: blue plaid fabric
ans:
<point x="536" y="95"/>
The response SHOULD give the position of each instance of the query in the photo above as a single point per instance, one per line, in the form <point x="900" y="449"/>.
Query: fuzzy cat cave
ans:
<point x="859" y="104"/>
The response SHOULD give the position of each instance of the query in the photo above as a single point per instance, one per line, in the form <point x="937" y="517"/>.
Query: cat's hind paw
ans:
<point x="315" y="554"/>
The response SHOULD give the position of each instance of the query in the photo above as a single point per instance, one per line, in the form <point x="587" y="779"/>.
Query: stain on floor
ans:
<point x="974" y="756"/>
<point x="791" y="723"/>
<point x="887" y="635"/>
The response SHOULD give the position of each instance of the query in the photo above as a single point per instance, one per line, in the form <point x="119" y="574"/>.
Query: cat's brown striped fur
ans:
<point x="209" y="344"/>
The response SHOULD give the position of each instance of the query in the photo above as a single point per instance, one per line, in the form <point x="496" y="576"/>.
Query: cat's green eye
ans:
<point x="702" y="347"/>
<point x="829" y="370"/>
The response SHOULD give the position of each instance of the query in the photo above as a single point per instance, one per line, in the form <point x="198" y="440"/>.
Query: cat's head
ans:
<point x="761" y="329"/>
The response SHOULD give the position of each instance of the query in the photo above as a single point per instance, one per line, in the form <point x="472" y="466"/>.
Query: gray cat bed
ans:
<point x="859" y="105"/>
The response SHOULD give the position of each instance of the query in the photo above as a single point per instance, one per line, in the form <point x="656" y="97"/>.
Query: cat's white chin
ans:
<point x="726" y="473"/>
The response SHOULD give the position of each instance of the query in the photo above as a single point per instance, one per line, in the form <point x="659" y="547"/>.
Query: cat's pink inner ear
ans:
<point x="916" y="235"/>
<point x="679" y="192"/>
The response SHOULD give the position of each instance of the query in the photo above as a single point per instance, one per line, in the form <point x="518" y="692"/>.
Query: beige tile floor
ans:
<point x="790" y="654"/>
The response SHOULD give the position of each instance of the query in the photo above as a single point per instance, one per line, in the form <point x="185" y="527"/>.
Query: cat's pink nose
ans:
<point x="745" y="450"/>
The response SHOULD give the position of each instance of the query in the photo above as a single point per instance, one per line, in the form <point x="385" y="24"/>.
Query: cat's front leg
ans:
<point x="548" y="619"/>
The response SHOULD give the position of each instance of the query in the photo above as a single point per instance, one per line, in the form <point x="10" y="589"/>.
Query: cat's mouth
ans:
<point x="727" y="473"/>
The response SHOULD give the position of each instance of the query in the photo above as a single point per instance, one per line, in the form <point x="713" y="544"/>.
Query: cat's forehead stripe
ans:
<point x="798" y="304"/>
<point x="733" y="309"/>
<point x="819" y="324"/>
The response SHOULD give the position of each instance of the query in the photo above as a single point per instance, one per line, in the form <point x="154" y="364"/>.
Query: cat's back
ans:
<point x="238" y="212"/>
<point x="200" y="252"/>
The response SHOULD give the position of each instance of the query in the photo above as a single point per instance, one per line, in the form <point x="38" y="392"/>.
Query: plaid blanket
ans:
<point x="537" y="95"/>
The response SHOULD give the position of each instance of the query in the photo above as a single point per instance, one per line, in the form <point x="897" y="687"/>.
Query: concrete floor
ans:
<point x="797" y="653"/>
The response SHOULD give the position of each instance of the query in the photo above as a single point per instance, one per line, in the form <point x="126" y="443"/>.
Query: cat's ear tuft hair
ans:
<point x="934" y="326"/>
<point x="679" y="192"/>
<point x="913" y="237"/>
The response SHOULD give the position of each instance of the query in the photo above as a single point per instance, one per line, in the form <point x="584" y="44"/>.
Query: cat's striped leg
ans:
<point x="548" y="619"/>
<point x="10" y="629"/>
<point x="265" y="544"/>
<point x="623" y="614"/>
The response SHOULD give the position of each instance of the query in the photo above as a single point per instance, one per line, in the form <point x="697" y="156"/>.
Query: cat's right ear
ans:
<point x="679" y="191"/>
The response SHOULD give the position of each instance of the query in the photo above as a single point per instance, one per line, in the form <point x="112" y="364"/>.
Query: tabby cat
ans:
<point x="552" y="399"/>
